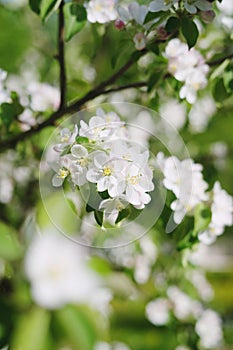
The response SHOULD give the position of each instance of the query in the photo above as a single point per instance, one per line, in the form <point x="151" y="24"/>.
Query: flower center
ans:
<point x="134" y="180"/>
<point x="63" y="173"/>
<point x="107" y="171"/>
<point x="65" y="138"/>
<point x="83" y="162"/>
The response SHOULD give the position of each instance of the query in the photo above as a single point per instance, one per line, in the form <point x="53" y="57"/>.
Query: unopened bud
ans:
<point x="139" y="41"/>
<point x="119" y="24"/>
<point x="207" y="16"/>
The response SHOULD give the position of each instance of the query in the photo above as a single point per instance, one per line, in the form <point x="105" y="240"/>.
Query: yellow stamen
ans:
<point x="63" y="173"/>
<point x="107" y="171"/>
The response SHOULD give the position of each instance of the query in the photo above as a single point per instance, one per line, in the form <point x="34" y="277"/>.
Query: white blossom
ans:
<point x="101" y="11"/>
<point x="158" y="311"/>
<point x="193" y="5"/>
<point x="142" y="268"/>
<point x="58" y="272"/>
<point x="112" y="208"/>
<point x="113" y="346"/>
<point x="195" y="81"/>
<point x="222" y="215"/>
<point x="161" y="5"/>
<point x="134" y="11"/>
<point x="63" y="170"/>
<point x="67" y="138"/>
<point x="209" y="329"/>
<point x="187" y="66"/>
<point x="96" y="130"/>
<point x="106" y="173"/>
<point x="43" y="96"/>
<point x="200" y="114"/>
<point x="174" y="113"/>
<point x="184" y="307"/>
<point x="80" y="160"/>
<point x="138" y="181"/>
<point x="185" y="179"/>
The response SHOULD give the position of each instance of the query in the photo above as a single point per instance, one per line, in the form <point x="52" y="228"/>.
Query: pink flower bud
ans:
<point x="119" y="24"/>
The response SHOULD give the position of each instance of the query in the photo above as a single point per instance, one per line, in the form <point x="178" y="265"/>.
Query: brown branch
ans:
<point x="127" y="86"/>
<point x="61" y="55"/>
<point x="76" y="105"/>
<point x="220" y="60"/>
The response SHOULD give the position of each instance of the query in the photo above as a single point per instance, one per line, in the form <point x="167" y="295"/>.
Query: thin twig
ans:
<point x="61" y="55"/>
<point x="220" y="60"/>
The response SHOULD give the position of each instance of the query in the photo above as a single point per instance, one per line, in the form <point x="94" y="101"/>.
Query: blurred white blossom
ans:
<point x="222" y="215"/>
<point x="209" y="329"/>
<point x="184" y="307"/>
<point x="187" y="66"/>
<point x="201" y="113"/>
<point x="174" y="113"/>
<point x="101" y="11"/>
<point x="185" y="180"/>
<point x="158" y="311"/>
<point x="58" y="272"/>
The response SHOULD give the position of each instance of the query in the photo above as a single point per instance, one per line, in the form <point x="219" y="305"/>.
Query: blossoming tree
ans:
<point x="116" y="174"/>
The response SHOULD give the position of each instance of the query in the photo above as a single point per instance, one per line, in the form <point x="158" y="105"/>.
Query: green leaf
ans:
<point x="75" y="17"/>
<point x="202" y="218"/>
<point x="48" y="7"/>
<point x="123" y="214"/>
<point x="89" y="209"/>
<point x="154" y="80"/>
<point x="79" y="11"/>
<point x="82" y="139"/>
<point x="77" y="326"/>
<point x="32" y="331"/>
<point x="190" y="31"/>
<point x="172" y="24"/>
<point x="10" y="248"/>
<point x="153" y="48"/>
<point x="99" y="265"/>
<point x="9" y="111"/>
<point x="228" y="80"/>
<point x="153" y="15"/>
<point x="219" y="70"/>
<point x="219" y="91"/>
<point x="99" y="215"/>
<point x="35" y="5"/>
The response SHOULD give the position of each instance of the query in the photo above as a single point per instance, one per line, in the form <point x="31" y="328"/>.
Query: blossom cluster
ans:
<point x="187" y="66"/>
<point x="101" y="153"/>
<point x="185" y="179"/>
<point x="59" y="274"/>
<point x="34" y="96"/>
<point x="208" y="324"/>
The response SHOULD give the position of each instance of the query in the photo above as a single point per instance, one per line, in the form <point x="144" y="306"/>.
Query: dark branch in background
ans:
<point x="220" y="60"/>
<point x="75" y="106"/>
<point x="61" y="55"/>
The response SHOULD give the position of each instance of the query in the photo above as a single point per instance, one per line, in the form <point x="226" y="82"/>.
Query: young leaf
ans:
<point x="75" y="16"/>
<point x="172" y="24"/>
<point x="202" y="218"/>
<point x="35" y="6"/>
<point x="48" y="7"/>
<point x="10" y="248"/>
<point x="99" y="216"/>
<point x="32" y="325"/>
<point x="9" y="111"/>
<point x="190" y="31"/>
